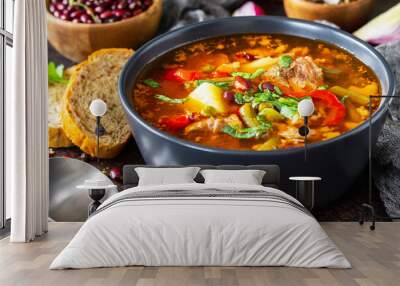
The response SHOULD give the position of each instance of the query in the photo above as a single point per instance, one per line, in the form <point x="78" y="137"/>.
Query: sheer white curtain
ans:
<point x="26" y="120"/>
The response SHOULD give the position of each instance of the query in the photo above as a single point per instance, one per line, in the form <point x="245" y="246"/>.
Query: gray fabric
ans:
<point x="386" y="156"/>
<point x="178" y="13"/>
<point x="270" y="179"/>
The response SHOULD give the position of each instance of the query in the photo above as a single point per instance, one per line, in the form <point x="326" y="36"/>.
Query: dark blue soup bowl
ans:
<point x="339" y="161"/>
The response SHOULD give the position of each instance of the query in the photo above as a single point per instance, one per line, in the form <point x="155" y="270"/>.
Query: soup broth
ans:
<point x="242" y="92"/>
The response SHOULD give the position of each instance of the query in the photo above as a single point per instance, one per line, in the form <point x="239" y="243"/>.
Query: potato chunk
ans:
<point x="262" y="63"/>
<point x="206" y="95"/>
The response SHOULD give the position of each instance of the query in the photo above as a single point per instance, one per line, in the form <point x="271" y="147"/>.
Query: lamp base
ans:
<point x="368" y="212"/>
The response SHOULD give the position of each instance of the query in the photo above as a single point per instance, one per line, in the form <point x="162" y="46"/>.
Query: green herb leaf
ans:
<point x="248" y="75"/>
<point x="237" y="133"/>
<point x="221" y="84"/>
<point x="288" y="112"/>
<point x="251" y="132"/>
<point x="170" y="100"/>
<point x="151" y="82"/>
<point x="287" y="106"/>
<point x="266" y="96"/>
<point x="343" y="99"/>
<point x="245" y="75"/>
<point x="323" y="87"/>
<point x="246" y="133"/>
<point x="285" y="61"/>
<point x="261" y="119"/>
<point x="56" y="74"/>
<point x="278" y="90"/>
<point x="257" y="73"/>
<point x="239" y="98"/>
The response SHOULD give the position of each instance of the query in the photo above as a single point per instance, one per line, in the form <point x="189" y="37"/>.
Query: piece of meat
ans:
<point x="302" y="75"/>
<point x="214" y="124"/>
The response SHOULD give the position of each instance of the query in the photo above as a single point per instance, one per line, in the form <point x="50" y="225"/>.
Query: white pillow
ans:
<point x="166" y="176"/>
<point x="248" y="177"/>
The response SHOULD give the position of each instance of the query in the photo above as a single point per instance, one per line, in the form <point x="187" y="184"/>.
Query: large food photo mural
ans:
<point x="131" y="82"/>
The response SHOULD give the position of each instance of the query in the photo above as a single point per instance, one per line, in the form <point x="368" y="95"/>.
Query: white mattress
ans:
<point x="189" y="231"/>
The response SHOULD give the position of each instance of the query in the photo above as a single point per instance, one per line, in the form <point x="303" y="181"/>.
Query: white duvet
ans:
<point x="188" y="231"/>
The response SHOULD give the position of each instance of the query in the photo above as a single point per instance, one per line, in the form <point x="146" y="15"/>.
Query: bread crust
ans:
<point x="57" y="137"/>
<point x="78" y="123"/>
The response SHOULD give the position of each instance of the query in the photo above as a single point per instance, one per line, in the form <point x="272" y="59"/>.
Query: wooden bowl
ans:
<point x="348" y="16"/>
<point x="76" y="41"/>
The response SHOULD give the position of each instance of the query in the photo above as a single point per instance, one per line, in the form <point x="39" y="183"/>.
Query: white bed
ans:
<point x="201" y="224"/>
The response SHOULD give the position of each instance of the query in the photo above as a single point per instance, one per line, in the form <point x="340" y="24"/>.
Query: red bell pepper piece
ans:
<point x="217" y="74"/>
<point x="336" y="111"/>
<point x="181" y="75"/>
<point x="296" y="94"/>
<point x="176" y="123"/>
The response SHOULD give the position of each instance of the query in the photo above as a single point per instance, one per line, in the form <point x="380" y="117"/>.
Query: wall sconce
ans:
<point x="306" y="109"/>
<point x="98" y="108"/>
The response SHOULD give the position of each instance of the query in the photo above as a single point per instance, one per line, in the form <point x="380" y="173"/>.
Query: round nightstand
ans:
<point x="97" y="190"/>
<point x="305" y="190"/>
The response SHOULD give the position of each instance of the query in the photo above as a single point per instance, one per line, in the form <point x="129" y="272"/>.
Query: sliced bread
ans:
<point x="57" y="137"/>
<point x="97" y="77"/>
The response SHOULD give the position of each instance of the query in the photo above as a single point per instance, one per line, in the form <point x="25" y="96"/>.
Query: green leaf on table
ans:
<point x="56" y="73"/>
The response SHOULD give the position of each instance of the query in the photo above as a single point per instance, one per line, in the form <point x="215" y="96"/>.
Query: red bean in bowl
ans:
<point x="97" y="11"/>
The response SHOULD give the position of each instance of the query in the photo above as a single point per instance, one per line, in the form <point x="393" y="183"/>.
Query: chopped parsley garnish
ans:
<point x="285" y="61"/>
<point x="287" y="107"/>
<point x="343" y="99"/>
<point x="277" y="90"/>
<point x="246" y="133"/>
<point x="248" y="75"/>
<point x="257" y="73"/>
<point x="266" y="96"/>
<point x="151" y="82"/>
<point x="288" y="111"/>
<point x="323" y="87"/>
<point x="241" y="98"/>
<point x="170" y="100"/>
<point x="221" y="84"/>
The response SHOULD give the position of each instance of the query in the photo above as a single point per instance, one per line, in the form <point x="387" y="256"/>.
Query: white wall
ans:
<point x="9" y="63"/>
<point x="9" y="12"/>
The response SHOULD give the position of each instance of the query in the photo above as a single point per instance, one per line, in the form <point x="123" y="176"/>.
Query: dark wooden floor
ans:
<point x="375" y="257"/>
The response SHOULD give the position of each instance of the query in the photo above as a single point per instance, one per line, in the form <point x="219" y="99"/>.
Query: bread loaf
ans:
<point x="97" y="78"/>
<point x="57" y="137"/>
